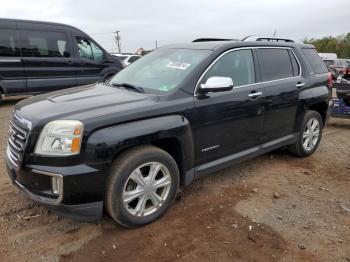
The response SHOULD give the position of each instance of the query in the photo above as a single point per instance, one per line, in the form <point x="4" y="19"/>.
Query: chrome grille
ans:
<point x="19" y="129"/>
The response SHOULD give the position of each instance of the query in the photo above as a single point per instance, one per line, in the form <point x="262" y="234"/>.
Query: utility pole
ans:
<point x="156" y="44"/>
<point x="117" y="39"/>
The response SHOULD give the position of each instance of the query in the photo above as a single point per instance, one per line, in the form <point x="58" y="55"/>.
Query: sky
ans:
<point x="142" y="23"/>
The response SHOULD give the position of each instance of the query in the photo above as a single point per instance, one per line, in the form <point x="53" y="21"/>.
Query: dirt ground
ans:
<point x="273" y="208"/>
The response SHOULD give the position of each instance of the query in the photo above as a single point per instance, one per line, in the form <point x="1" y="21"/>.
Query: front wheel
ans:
<point x="309" y="135"/>
<point x="142" y="185"/>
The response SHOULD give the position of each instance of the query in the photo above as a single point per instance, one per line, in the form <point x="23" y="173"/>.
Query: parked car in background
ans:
<point x="38" y="57"/>
<point x="127" y="59"/>
<point x="179" y="113"/>
<point x="328" y="56"/>
<point x="337" y="67"/>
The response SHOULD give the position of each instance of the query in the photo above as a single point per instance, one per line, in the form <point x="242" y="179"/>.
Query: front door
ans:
<point x="229" y="122"/>
<point x="91" y="61"/>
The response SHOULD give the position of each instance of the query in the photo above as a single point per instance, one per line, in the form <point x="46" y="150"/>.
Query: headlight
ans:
<point x="60" y="138"/>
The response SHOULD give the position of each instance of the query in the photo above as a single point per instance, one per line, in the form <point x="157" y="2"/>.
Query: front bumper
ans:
<point x="81" y="193"/>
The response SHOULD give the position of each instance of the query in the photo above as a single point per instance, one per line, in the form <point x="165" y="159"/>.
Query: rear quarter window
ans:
<point x="314" y="60"/>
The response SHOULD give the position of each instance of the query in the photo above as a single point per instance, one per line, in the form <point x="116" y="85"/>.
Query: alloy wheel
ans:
<point x="146" y="189"/>
<point x="311" y="134"/>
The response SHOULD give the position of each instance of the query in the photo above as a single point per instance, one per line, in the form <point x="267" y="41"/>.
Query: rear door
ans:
<point x="12" y="75"/>
<point x="47" y="60"/>
<point x="282" y="81"/>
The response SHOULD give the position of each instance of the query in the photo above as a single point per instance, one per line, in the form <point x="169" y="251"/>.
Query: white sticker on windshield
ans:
<point x="178" y="65"/>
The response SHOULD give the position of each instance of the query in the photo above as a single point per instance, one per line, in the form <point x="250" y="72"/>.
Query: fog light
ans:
<point x="55" y="185"/>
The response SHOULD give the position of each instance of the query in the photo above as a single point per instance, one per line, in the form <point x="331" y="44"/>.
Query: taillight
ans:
<point x="330" y="80"/>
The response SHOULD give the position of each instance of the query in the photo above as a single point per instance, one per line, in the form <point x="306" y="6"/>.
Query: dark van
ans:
<point x="38" y="57"/>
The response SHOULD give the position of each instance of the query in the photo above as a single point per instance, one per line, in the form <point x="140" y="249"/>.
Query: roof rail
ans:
<point x="267" y="38"/>
<point x="212" y="40"/>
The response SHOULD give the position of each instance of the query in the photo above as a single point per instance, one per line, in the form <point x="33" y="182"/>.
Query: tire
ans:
<point x="299" y="148"/>
<point x="130" y="175"/>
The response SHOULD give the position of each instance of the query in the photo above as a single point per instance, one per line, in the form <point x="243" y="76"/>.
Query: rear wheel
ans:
<point x="309" y="135"/>
<point x="142" y="186"/>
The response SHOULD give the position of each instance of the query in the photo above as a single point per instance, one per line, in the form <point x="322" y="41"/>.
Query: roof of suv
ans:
<point x="213" y="45"/>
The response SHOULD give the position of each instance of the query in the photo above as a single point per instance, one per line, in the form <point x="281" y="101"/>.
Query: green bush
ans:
<point x="339" y="45"/>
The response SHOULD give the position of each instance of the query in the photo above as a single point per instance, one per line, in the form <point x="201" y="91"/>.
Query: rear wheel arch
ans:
<point x="304" y="106"/>
<point x="298" y="148"/>
<point x="320" y="108"/>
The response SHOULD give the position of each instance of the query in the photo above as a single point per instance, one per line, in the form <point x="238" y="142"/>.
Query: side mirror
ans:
<point x="216" y="84"/>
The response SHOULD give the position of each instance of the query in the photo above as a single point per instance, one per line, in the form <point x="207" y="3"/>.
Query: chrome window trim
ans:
<point x="250" y="48"/>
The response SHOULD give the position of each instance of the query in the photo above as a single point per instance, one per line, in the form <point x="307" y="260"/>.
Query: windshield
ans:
<point x="162" y="70"/>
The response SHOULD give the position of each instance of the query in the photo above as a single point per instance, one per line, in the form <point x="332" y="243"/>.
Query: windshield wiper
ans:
<point x="130" y="86"/>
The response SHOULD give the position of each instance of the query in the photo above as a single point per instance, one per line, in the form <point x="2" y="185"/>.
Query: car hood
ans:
<point x="84" y="103"/>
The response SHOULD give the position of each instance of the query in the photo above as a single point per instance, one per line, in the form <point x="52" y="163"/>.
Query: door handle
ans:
<point x="255" y="95"/>
<point x="300" y="84"/>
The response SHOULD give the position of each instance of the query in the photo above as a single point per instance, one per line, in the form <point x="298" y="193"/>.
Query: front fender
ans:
<point x="105" y="144"/>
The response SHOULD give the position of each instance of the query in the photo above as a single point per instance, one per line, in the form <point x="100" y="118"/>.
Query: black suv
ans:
<point x="176" y="114"/>
<point x="38" y="57"/>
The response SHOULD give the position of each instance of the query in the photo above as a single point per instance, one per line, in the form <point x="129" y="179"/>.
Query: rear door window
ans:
<point x="295" y="64"/>
<point x="45" y="44"/>
<point x="8" y="43"/>
<point x="314" y="60"/>
<point x="276" y="64"/>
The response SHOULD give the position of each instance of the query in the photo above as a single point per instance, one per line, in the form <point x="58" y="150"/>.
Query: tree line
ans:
<point x="339" y="45"/>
